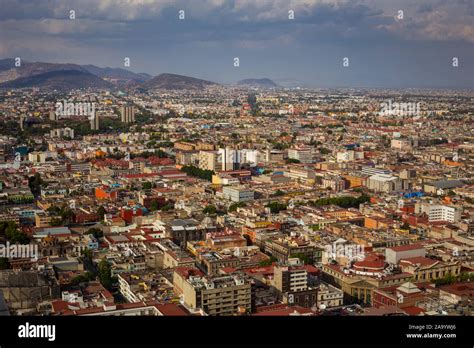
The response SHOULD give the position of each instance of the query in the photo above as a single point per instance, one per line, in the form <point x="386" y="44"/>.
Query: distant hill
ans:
<point x="117" y="73"/>
<point x="260" y="83"/>
<point x="6" y="64"/>
<point x="37" y="72"/>
<point x="172" y="81"/>
<point x="60" y="80"/>
<point x="8" y="71"/>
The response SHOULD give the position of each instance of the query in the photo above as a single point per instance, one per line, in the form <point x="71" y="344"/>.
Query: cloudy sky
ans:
<point x="383" y="50"/>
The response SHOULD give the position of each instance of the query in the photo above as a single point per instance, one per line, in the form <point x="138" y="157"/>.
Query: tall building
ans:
<point x="224" y="295"/>
<point x="127" y="114"/>
<point x="291" y="282"/>
<point x="94" y="121"/>
<point x="439" y="212"/>
<point x="22" y="122"/>
<point x="53" y="116"/>
<point x="208" y="160"/>
<point x="229" y="158"/>
<point x="291" y="276"/>
<point x="303" y="154"/>
<point x="62" y="133"/>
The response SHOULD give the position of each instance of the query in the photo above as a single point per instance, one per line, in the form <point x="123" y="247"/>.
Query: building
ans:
<point x="329" y="296"/>
<point x="208" y="160"/>
<point x="403" y="296"/>
<point x="222" y="295"/>
<point x="300" y="174"/>
<point x="184" y="146"/>
<point x="290" y="277"/>
<point x="349" y="155"/>
<point x="230" y="158"/>
<point x="335" y="183"/>
<point x="425" y="269"/>
<point x="368" y="171"/>
<point x="237" y="194"/>
<point x="62" y="133"/>
<point x="441" y="187"/>
<point x="403" y="144"/>
<point x="304" y="154"/>
<point x="395" y="254"/>
<point x="174" y="256"/>
<point x="384" y="183"/>
<point x="292" y="283"/>
<point x="439" y="212"/>
<point x="283" y="249"/>
<point x="457" y="293"/>
<point x="94" y="120"/>
<point x="53" y="116"/>
<point x="224" y="179"/>
<point x="105" y="192"/>
<point x="211" y="262"/>
<point x="38" y="157"/>
<point x="127" y="114"/>
<point x="358" y="288"/>
<point x="143" y="286"/>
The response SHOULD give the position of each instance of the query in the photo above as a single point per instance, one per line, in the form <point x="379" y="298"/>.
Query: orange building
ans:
<point x="376" y="223"/>
<point x="355" y="181"/>
<point x="105" y="192"/>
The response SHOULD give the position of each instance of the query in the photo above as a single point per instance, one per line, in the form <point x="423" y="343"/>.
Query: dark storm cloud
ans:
<point x="383" y="50"/>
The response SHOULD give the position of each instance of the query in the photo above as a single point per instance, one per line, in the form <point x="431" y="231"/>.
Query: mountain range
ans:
<point x="173" y="81"/>
<point x="259" y="83"/>
<point x="66" y="76"/>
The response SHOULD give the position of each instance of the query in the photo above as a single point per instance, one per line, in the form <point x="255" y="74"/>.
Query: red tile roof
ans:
<point x="171" y="309"/>
<point x="406" y="247"/>
<point x="295" y="310"/>
<point x="424" y="261"/>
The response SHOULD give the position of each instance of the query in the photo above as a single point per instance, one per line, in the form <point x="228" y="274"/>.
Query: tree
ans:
<point x="154" y="206"/>
<point x="198" y="172"/>
<point x="276" y="207"/>
<point x="82" y="278"/>
<point x="210" y="209"/>
<point x="105" y="274"/>
<point x="67" y="215"/>
<point x="267" y="262"/>
<point x="304" y="258"/>
<point x="279" y="193"/>
<point x="167" y="207"/>
<point x="147" y="185"/>
<point x="87" y="255"/>
<point x="324" y="151"/>
<point x="96" y="232"/>
<point x="101" y="212"/>
<point x="234" y="206"/>
<point x="292" y="160"/>
<point x="10" y="231"/>
<point x="34" y="183"/>
<point x="344" y="202"/>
